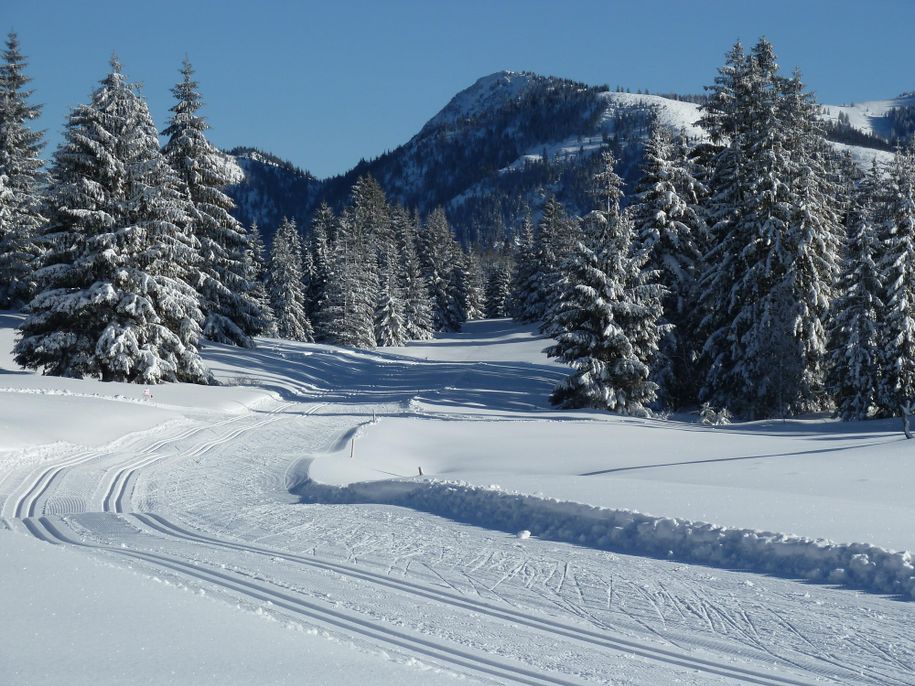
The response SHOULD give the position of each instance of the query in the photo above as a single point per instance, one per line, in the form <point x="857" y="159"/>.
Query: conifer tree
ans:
<point x="389" y="320"/>
<point x="284" y="281"/>
<point x="768" y="280"/>
<point x="256" y="274"/>
<point x="467" y="286"/>
<point x="609" y="322"/>
<point x="437" y="254"/>
<point x="322" y="227"/>
<point x="666" y="223"/>
<point x="348" y="314"/>
<point x="854" y="373"/>
<point x="498" y="291"/>
<point x="525" y="293"/>
<point x="20" y="163"/>
<point x="557" y="235"/>
<point x="232" y="313"/>
<point x="896" y="216"/>
<point x="114" y="303"/>
<point x="417" y="311"/>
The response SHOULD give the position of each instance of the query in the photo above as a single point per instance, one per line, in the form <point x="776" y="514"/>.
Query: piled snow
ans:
<point x="820" y="479"/>
<point x="858" y="565"/>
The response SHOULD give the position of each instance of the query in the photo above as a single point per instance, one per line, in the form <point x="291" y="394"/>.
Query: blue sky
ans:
<point x="326" y="83"/>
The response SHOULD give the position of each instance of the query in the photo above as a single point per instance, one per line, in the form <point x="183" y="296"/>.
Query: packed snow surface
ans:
<point x="277" y="529"/>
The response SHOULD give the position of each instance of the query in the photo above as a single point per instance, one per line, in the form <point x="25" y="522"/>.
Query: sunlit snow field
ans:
<point x="312" y="450"/>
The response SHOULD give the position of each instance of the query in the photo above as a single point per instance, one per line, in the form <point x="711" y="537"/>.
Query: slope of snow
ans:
<point x="674" y="114"/>
<point x="107" y="625"/>
<point x="186" y="539"/>
<point x="869" y="116"/>
<point x="488" y="92"/>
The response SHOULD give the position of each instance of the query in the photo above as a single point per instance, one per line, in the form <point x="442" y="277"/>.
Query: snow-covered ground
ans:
<point x="226" y="535"/>
<point x="679" y="116"/>
<point x="869" y="116"/>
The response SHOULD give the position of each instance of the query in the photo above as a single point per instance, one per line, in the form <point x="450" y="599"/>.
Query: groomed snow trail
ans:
<point x="207" y="502"/>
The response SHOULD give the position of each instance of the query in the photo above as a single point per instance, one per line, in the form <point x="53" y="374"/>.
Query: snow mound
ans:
<point x="857" y="565"/>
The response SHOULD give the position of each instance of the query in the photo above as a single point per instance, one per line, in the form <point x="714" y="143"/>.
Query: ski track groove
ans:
<point x="114" y="498"/>
<point x="261" y="590"/>
<point x="549" y="625"/>
<point x="40" y="484"/>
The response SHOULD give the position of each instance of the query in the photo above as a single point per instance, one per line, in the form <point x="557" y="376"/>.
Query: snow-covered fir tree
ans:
<point x="896" y="217"/>
<point x="666" y="223"/>
<point x="498" y="291"/>
<point x="322" y="227"/>
<point x="284" y="284"/>
<point x="437" y="252"/>
<point x="390" y="329"/>
<point x="417" y="311"/>
<point x="609" y="321"/>
<point x="20" y="163"/>
<point x="556" y="238"/>
<point x="114" y="303"/>
<point x="768" y="280"/>
<point x="524" y="303"/>
<point x="256" y="274"/>
<point x="232" y="312"/>
<point x="854" y="371"/>
<point x="468" y="293"/>
<point x="348" y="314"/>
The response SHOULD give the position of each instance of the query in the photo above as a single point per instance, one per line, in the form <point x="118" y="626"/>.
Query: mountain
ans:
<point x="500" y="146"/>
<point x="271" y="189"/>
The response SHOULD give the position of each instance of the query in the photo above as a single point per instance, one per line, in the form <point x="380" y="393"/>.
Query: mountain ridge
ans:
<point x="499" y="146"/>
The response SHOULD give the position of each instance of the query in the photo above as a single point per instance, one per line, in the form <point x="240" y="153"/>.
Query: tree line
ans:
<point x="759" y="272"/>
<point x="124" y="255"/>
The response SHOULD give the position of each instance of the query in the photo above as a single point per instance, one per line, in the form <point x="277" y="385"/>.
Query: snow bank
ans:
<point x="857" y="565"/>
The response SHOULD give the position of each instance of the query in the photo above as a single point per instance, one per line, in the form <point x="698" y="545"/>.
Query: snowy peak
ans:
<point x="488" y="93"/>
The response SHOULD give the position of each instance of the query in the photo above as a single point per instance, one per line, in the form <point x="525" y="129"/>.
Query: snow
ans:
<point x="850" y="485"/>
<point x="140" y="629"/>
<point x="680" y="116"/>
<point x="225" y="532"/>
<point x="486" y="93"/>
<point x="868" y="116"/>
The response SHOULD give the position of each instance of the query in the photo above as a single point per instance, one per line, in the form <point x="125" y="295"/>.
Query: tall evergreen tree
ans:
<point x="389" y="318"/>
<point x="854" y="372"/>
<point x="437" y="254"/>
<point x="322" y="227"/>
<point x="896" y="214"/>
<point x="556" y="238"/>
<point x="348" y="315"/>
<point x="524" y="299"/>
<point x="768" y="281"/>
<point x="498" y="291"/>
<point x="666" y="223"/>
<point x="609" y="322"/>
<point x="20" y="163"/>
<point x="113" y="302"/>
<point x="284" y="283"/>
<point x="417" y="311"/>
<point x="256" y="274"/>
<point x="232" y="313"/>
<point x="467" y="286"/>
